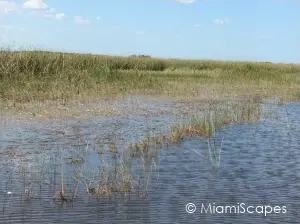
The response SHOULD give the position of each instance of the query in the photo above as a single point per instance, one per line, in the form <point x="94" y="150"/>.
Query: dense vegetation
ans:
<point x="38" y="75"/>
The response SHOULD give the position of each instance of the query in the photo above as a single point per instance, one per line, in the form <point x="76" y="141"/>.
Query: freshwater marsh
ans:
<point x="87" y="138"/>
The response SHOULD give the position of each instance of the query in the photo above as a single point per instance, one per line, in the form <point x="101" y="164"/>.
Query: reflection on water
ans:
<point x="259" y="166"/>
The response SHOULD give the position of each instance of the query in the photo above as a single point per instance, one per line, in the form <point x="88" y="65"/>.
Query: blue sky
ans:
<point x="254" y="30"/>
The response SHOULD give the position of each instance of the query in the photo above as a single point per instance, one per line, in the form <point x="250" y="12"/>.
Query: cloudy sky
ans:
<point x="259" y="30"/>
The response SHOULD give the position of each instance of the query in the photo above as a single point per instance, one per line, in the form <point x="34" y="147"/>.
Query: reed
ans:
<point x="30" y="76"/>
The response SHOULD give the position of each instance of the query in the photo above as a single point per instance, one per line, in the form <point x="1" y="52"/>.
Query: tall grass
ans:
<point x="39" y="75"/>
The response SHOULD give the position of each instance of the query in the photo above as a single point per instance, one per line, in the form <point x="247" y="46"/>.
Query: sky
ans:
<point x="244" y="30"/>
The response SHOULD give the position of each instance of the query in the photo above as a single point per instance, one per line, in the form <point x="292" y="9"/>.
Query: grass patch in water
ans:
<point x="204" y="125"/>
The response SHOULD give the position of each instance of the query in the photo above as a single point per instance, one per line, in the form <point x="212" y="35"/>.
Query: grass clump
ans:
<point x="205" y="125"/>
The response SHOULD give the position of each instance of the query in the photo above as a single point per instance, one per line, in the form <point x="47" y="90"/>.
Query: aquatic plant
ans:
<point x="112" y="148"/>
<point x="214" y="152"/>
<point x="75" y="160"/>
<point x="31" y="76"/>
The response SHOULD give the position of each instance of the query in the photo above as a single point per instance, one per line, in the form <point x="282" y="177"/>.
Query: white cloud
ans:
<point x="7" y="6"/>
<point x="220" y="21"/>
<point x="34" y="7"/>
<point x="186" y="1"/>
<point x="57" y="16"/>
<point x="35" y="4"/>
<point x="139" y="32"/>
<point x="48" y="13"/>
<point x="197" y="25"/>
<point x="80" y="20"/>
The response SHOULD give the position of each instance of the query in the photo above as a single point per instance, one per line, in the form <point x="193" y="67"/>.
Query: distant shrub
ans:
<point x="140" y="56"/>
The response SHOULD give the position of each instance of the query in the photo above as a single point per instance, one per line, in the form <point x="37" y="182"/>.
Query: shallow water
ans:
<point x="259" y="167"/>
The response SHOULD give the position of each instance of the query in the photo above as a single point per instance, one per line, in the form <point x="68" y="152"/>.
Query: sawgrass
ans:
<point x="29" y="76"/>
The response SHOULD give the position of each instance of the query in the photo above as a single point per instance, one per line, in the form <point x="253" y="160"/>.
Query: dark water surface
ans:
<point x="259" y="166"/>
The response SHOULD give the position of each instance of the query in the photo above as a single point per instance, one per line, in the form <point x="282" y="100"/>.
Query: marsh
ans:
<point x="135" y="139"/>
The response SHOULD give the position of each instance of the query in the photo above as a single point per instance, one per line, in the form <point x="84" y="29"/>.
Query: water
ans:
<point x="259" y="166"/>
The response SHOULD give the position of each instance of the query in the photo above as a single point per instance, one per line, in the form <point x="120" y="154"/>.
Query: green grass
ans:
<point x="27" y="76"/>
